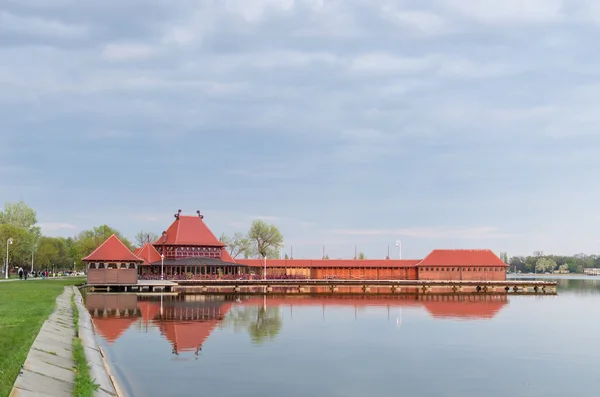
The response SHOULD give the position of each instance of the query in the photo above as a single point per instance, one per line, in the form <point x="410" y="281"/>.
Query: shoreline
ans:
<point x="99" y="368"/>
<point x="49" y="368"/>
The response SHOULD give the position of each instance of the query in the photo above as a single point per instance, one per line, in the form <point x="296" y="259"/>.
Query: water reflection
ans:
<point x="360" y="345"/>
<point x="187" y="321"/>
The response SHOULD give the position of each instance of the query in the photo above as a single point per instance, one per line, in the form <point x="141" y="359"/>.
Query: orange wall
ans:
<point x="460" y="273"/>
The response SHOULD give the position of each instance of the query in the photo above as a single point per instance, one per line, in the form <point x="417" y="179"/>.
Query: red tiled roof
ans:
<point x="111" y="328"/>
<point x="149" y="254"/>
<point x="226" y="257"/>
<point x="188" y="336"/>
<point x="149" y="310"/>
<point x="462" y="257"/>
<point x="136" y="251"/>
<point x="330" y="263"/>
<point x="112" y="249"/>
<point x="465" y="309"/>
<point x="189" y="230"/>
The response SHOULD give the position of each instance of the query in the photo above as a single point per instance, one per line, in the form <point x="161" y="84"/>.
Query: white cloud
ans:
<point x="508" y="11"/>
<point x="49" y="227"/>
<point x="380" y="62"/>
<point x="128" y="51"/>
<point x="485" y="232"/>
<point x="40" y="27"/>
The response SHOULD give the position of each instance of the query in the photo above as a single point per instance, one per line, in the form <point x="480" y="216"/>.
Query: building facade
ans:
<point x="187" y="249"/>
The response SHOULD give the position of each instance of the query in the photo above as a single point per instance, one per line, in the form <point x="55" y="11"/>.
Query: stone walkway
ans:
<point x="48" y="369"/>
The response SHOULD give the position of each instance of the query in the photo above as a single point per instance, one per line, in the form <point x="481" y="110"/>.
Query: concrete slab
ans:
<point x="38" y="383"/>
<point x="49" y="370"/>
<point x="51" y="359"/>
<point x="56" y="348"/>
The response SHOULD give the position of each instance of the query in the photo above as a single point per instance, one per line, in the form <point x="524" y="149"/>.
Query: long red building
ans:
<point x="187" y="249"/>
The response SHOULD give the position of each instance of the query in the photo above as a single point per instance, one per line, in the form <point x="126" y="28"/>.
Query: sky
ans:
<point x="346" y="123"/>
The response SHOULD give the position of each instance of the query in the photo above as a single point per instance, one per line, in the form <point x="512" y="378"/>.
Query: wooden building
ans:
<point x="112" y="263"/>
<point x="189" y="250"/>
<point x="478" y="265"/>
<point x="461" y="264"/>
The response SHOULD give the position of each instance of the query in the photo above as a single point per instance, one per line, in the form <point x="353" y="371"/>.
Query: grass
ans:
<point x="24" y="306"/>
<point x="84" y="384"/>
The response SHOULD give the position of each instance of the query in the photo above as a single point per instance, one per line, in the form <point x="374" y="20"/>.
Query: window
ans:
<point x="112" y="266"/>
<point x="92" y="266"/>
<point x="101" y="266"/>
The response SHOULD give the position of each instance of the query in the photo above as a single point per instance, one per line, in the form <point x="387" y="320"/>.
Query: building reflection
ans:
<point x="187" y="320"/>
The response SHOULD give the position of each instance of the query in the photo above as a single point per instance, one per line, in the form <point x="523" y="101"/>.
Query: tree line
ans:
<point x="18" y="222"/>
<point x="539" y="263"/>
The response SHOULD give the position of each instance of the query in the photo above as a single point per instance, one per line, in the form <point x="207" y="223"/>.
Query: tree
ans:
<point x="142" y="237"/>
<point x="265" y="239"/>
<point x="362" y="255"/>
<point x="88" y="240"/>
<point x="261" y="322"/>
<point x="18" y="214"/>
<point x="504" y="257"/>
<point x="545" y="265"/>
<point x="237" y="245"/>
<point x="287" y="256"/>
<point x="563" y="268"/>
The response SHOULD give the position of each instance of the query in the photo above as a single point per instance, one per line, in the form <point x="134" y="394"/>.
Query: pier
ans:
<point x="273" y="286"/>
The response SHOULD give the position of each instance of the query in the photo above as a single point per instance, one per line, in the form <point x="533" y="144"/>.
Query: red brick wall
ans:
<point x="462" y="273"/>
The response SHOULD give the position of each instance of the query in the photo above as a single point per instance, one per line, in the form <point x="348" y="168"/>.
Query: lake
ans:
<point x="335" y="345"/>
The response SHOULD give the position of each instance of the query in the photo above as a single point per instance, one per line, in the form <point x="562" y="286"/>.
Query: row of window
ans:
<point x="464" y="269"/>
<point x="111" y="265"/>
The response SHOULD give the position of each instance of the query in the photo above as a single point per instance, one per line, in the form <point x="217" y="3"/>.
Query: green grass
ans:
<point x="84" y="384"/>
<point x="24" y="306"/>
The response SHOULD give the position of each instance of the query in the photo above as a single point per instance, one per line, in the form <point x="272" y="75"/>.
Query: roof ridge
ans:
<point x="105" y="241"/>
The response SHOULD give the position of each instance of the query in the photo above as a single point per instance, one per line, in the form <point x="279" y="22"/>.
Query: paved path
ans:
<point x="48" y="369"/>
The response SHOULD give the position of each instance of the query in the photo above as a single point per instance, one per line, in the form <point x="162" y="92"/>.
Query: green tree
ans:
<point x="504" y="257"/>
<point x="239" y="244"/>
<point x="545" y="265"/>
<point x="18" y="214"/>
<point x="18" y="251"/>
<point x="142" y="237"/>
<point x="563" y="268"/>
<point x="88" y="240"/>
<point x="361" y="255"/>
<point x="266" y="240"/>
<point x="287" y="256"/>
<point x="261" y="322"/>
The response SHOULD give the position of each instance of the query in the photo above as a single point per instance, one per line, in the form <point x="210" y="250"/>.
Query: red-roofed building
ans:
<point x="188" y="249"/>
<point x="148" y="253"/>
<point x="112" y="263"/>
<point x="462" y="264"/>
<point x="351" y="269"/>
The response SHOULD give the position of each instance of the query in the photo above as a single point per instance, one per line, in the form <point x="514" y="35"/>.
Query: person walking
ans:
<point x="20" y="271"/>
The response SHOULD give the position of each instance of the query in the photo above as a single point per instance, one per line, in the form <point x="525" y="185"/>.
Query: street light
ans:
<point x="162" y="268"/>
<point x="8" y="242"/>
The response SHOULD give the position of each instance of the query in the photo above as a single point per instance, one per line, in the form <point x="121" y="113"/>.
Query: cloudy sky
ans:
<point x="443" y="123"/>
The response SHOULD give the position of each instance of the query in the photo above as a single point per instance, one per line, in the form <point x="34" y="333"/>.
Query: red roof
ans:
<point x="149" y="254"/>
<point x="338" y="263"/>
<point x="136" y="251"/>
<point x="189" y="230"/>
<point x="111" y="328"/>
<point x="189" y="335"/>
<point x="226" y="257"/>
<point x="480" y="257"/>
<point x="464" y="309"/>
<point x="112" y="249"/>
<point x="149" y="310"/>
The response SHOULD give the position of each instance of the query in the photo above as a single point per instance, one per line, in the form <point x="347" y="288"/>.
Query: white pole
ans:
<point x="9" y="241"/>
<point x="32" y="252"/>
<point x="162" y="273"/>
<point x="265" y="273"/>
<point x="399" y="245"/>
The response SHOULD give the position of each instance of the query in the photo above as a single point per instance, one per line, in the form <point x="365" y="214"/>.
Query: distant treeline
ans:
<point x="551" y="263"/>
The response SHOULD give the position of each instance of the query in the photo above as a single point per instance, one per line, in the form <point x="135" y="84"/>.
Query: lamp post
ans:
<point x="8" y="242"/>
<point x="399" y="245"/>
<point x="265" y="272"/>
<point x="162" y="269"/>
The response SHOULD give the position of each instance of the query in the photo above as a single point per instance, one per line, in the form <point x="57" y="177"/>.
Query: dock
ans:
<point x="284" y="286"/>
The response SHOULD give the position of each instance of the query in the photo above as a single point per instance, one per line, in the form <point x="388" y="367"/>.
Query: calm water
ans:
<point x="252" y="346"/>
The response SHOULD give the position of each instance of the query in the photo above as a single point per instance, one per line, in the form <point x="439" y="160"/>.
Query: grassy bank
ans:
<point x="84" y="384"/>
<point x="24" y="306"/>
